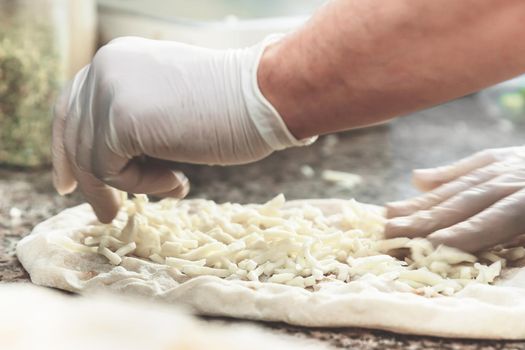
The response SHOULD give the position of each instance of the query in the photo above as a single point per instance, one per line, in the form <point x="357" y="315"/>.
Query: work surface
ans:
<point x="382" y="155"/>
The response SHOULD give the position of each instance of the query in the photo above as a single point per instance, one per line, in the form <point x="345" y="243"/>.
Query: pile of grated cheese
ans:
<point x="296" y="245"/>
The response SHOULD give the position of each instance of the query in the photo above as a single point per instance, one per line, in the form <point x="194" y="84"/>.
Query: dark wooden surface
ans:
<point x="383" y="156"/>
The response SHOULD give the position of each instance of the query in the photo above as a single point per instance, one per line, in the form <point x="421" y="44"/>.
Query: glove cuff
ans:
<point x="263" y="114"/>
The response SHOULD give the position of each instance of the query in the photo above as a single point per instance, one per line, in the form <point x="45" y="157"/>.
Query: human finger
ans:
<point x="63" y="178"/>
<point x="138" y="175"/>
<point x="427" y="179"/>
<point x="442" y="193"/>
<point x="456" y="209"/>
<point x="104" y="200"/>
<point x="497" y="224"/>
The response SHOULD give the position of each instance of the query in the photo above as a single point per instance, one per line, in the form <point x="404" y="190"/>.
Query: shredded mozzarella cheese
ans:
<point x="294" y="245"/>
<point x="341" y="178"/>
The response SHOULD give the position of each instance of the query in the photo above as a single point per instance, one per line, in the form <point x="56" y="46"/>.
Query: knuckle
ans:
<point x="473" y="194"/>
<point x="115" y="52"/>
<point x="106" y="54"/>
<point x="101" y="171"/>
<point x="121" y="121"/>
<point x="81" y="163"/>
<point x="426" y="216"/>
<point x="105" y="66"/>
<point x="98" y="171"/>
<point x="430" y="198"/>
<point x="484" y="172"/>
<point x="119" y="111"/>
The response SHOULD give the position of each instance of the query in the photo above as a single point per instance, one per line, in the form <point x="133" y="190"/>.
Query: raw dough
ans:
<point x="54" y="255"/>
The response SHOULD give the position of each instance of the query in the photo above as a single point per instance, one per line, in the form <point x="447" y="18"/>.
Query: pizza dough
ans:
<point x="310" y="263"/>
<point x="36" y="318"/>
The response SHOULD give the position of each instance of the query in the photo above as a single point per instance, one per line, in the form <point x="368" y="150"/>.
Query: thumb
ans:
<point x="63" y="177"/>
<point x="150" y="177"/>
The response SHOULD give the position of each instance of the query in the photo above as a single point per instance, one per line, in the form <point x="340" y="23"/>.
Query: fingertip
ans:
<point x="107" y="210"/>
<point x="180" y="189"/>
<point x="395" y="227"/>
<point x="398" y="208"/>
<point x="62" y="186"/>
<point x="185" y="189"/>
<point x="425" y="179"/>
<point x="64" y="191"/>
<point x="425" y="172"/>
<point x="105" y="217"/>
<point x="104" y="200"/>
<point x="184" y="185"/>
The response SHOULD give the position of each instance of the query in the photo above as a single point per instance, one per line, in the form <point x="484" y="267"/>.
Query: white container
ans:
<point x="209" y="23"/>
<point x="81" y="35"/>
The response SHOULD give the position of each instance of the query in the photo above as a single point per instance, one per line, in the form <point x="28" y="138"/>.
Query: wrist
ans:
<point x="273" y="76"/>
<point x="267" y="119"/>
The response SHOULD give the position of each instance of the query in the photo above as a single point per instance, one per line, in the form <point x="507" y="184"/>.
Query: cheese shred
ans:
<point x="296" y="245"/>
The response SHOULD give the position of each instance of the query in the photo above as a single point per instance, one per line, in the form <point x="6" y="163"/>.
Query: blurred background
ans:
<point x="44" y="42"/>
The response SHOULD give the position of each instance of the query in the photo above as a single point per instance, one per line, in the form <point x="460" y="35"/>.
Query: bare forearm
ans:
<point x="361" y="62"/>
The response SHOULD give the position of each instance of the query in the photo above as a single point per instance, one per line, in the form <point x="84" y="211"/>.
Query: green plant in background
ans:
<point x="513" y="104"/>
<point x="29" y="80"/>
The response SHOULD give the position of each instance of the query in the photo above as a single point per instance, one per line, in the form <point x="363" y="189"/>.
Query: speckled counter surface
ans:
<point x="382" y="155"/>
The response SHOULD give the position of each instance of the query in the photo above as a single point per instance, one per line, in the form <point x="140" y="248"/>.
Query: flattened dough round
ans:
<point x="478" y="311"/>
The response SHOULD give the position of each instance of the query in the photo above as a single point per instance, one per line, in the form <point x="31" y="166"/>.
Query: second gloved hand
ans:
<point x="474" y="204"/>
<point x="143" y="102"/>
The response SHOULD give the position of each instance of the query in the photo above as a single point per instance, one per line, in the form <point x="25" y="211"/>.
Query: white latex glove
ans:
<point x="143" y="102"/>
<point x="473" y="204"/>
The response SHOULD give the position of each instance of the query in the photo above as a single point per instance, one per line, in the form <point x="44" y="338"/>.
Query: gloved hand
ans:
<point x="473" y="204"/>
<point x="143" y="102"/>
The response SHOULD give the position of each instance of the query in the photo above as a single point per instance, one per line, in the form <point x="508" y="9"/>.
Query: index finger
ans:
<point x="498" y="224"/>
<point x="428" y="179"/>
<point x="148" y="176"/>
<point x="104" y="200"/>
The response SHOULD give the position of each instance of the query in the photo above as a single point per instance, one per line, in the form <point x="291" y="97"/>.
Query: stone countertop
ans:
<point x="382" y="155"/>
